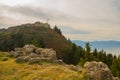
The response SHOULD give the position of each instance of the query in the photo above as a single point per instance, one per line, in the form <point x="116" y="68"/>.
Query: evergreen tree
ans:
<point x="57" y="30"/>
<point x="115" y="68"/>
<point x="87" y="47"/>
<point x="95" y="52"/>
<point x="87" y="52"/>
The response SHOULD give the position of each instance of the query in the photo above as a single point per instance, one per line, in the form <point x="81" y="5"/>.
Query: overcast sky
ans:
<point x="78" y="19"/>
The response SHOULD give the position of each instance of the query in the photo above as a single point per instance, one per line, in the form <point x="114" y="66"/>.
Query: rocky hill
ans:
<point x="36" y="33"/>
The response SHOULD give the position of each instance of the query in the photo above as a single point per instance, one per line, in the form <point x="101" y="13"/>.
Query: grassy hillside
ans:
<point x="20" y="35"/>
<point x="10" y="70"/>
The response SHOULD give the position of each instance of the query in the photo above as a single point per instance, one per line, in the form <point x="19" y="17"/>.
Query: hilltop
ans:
<point x="32" y="33"/>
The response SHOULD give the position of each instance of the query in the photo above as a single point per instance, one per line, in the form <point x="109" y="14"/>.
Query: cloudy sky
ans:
<point x="78" y="19"/>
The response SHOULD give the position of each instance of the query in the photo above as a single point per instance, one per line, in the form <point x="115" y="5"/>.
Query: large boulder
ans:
<point x="48" y="55"/>
<point x="97" y="71"/>
<point x="29" y="49"/>
<point x="22" y="59"/>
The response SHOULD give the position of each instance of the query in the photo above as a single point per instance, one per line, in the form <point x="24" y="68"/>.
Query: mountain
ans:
<point x="35" y="33"/>
<point x="109" y="46"/>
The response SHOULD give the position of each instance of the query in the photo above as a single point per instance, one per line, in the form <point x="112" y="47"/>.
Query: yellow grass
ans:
<point x="10" y="70"/>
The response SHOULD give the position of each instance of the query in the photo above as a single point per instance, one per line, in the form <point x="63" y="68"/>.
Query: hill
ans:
<point x="38" y="33"/>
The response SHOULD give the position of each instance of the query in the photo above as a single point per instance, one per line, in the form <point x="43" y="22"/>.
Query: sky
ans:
<point x="86" y="20"/>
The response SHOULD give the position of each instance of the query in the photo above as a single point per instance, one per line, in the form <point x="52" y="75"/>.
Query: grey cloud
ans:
<point x="35" y="12"/>
<point x="70" y="30"/>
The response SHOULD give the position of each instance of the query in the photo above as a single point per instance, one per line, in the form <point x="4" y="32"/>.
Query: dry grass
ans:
<point x="10" y="70"/>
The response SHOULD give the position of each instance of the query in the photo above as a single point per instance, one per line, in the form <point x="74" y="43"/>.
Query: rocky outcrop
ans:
<point x="32" y="54"/>
<point x="98" y="71"/>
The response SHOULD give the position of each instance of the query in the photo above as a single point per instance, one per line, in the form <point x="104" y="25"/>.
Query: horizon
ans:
<point x="95" y="20"/>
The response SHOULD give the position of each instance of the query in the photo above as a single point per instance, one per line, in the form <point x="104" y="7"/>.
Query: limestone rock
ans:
<point x="75" y="68"/>
<point x="59" y="61"/>
<point x="34" y="60"/>
<point x="48" y="55"/>
<point x="39" y="50"/>
<point x="29" y="49"/>
<point x="21" y="59"/>
<point x="30" y="53"/>
<point x="97" y="71"/>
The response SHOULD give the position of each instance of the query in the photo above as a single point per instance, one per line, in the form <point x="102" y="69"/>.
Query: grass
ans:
<point x="10" y="70"/>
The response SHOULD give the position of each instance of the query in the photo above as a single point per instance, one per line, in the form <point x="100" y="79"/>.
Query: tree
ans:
<point x="88" y="55"/>
<point x="78" y="54"/>
<point x="95" y="52"/>
<point x="109" y="59"/>
<point x="87" y="47"/>
<point x="115" y="68"/>
<point x="57" y="30"/>
<point x="38" y="42"/>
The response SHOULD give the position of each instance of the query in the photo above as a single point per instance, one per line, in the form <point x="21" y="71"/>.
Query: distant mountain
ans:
<point x="109" y="46"/>
<point x="38" y="32"/>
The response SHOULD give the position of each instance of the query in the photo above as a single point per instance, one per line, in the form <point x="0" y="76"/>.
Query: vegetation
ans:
<point x="42" y="36"/>
<point x="38" y="34"/>
<point x="57" y="30"/>
<point x="10" y="70"/>
<point x="77" y="55"/>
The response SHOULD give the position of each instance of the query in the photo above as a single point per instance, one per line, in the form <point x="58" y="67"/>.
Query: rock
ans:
<point x="34" y="60"/>
<point x="48" y="55"/>
<point x="11" y="53"/>
<point x="116" y="78"/>
<point x="59" y="61"/>
<point x="97" y="71"/>
<point x="75" y="68"/>
<point x="22" y="59"/>
<point x="33" y="55"/>
<point x="19" y="49"/>
<point x="30" y="53"/>
<point x="15" y="54"/>
<point x="38" y="50"/>
<point x="29" y="49"/>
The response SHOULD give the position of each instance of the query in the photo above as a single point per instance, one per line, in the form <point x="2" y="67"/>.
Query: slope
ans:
<point x="20" y="35"/>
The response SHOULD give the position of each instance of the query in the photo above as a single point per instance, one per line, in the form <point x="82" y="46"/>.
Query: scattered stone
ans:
<point x="59" y="61"/>
<point x="75" y="68"/>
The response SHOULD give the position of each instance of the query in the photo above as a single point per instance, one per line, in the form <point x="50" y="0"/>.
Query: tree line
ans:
<point x="78" y="56"/>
